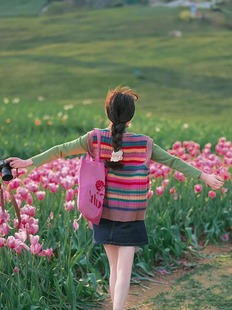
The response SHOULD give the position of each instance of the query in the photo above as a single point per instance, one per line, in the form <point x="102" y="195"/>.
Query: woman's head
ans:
<point x="120" y="105"/>
<point x="120" y="109"/>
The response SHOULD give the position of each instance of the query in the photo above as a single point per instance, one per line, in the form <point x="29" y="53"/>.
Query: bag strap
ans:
<point x="98" y="143"/>
<point x="149" y="150"/>
<point x="16" y="207"/>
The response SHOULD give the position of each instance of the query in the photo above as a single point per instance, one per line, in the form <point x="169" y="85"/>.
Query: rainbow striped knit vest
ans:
<point x="126" y="188"/>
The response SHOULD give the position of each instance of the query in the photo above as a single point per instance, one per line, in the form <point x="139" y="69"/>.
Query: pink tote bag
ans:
<point x="91" y="192"/>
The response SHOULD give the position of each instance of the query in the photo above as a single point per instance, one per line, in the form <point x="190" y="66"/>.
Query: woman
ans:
<point x="127" y="156"/>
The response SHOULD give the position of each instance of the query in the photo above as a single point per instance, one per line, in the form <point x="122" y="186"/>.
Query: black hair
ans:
<point x="120" y="109"/>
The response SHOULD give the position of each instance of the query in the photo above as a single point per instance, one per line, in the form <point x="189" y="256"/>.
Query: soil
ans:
<point x="141" y="294"/>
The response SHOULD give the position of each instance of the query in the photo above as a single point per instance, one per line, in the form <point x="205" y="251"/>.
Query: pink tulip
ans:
<point x="197" y="188"/>
<point x="40" y="195"/>
<point x="35" y="175"/>
<point x="67" y="183"/>
<point x="180" y="152"/>
<point x="212" y="194"/>
<point x="16" y="270"/>
<point x="208" y="145"/>
<point x="32" y="228"/>
<point x="35" y="248"/>
<point x="172" y="190"/>
<point x="29" y="199"/>
<point x="176" y="145"/>
<point x="44" y="181"/>
<point x="172" y="152"/>
<point x="11" y="242"/>
<point x="70" y="194"/>
<point x="185" y="144"/>
<point x="150" y="194"/>
<point x="185" y="157"/>
<point x="69" y="205"/>
<point x="28" y="210"/>
<point x="32" y="187"/>
<point x="34" y="239"/>
<point x="165" y="182"/>
<point x="22" y="193"/>
<point x="53" y="177"/>
<point x="225" y="237"/>
<point x="75" y="224"/>
<point x="47" y="252"/>
<point x="228" y="161"/>
<point x="224" y="190"/>
<point x="223" y="173"/>
<point x="159" y="190"/>
<point x="21" y="235"/>
<point x="179" y="176"/>
<point x="229" y="153"/>
<point x="14" y="184"/>
<point x="4" y="216"/>
<point x="2" y="242"/>
<point x="53" y="187"/>
<point x="16" y="244"/>
<point x="222" y="140"/>
<point x="4" y="229"/>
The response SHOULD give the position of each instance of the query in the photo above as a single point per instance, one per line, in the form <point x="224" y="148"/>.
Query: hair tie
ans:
<point x="116" y="156"/>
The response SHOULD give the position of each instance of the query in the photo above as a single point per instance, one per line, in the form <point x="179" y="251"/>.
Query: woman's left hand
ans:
<point x="214" y="181"/>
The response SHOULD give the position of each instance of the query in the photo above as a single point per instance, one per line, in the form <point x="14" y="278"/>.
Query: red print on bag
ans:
<point x="99" y="185"/>
<point x="95" y="198"/>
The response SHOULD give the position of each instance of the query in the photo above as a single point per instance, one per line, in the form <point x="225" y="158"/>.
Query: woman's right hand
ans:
<point x="16" y="162"/>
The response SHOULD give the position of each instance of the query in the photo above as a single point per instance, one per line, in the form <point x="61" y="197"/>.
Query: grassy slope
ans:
<point x="21" y="7"/>
<point x="78" y="56"/>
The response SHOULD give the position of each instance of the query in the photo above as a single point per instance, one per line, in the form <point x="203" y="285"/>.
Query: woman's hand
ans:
<point x="16" y="162"/>
<point x="215" y="182"/>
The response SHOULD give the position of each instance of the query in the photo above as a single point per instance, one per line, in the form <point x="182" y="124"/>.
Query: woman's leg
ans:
<point x="112" y="254"/>
<point x="124" y="267"/>
<point x="121" y="260"/>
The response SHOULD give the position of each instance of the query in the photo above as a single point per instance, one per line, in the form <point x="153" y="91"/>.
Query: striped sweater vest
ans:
<point x="126" y="188"/>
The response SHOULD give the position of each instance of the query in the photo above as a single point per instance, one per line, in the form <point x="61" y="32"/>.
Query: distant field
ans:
<point x="72" y="57"/>
<point x="21" y="7"/>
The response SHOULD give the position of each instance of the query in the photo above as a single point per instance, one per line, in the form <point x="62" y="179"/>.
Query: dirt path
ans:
<point x="204" y="276"/>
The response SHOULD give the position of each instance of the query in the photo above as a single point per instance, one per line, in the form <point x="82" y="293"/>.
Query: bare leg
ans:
<point x="112" y="254"/>
<point x="121" y="261"/>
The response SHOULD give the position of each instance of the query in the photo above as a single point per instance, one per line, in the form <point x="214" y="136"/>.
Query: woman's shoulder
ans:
<point x="137" y="135"/>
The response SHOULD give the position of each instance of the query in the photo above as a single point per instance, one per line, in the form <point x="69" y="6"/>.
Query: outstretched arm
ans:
<point x="78" y="146"/>
<point x="16" y="162"/>
<point x="161" y="156"/>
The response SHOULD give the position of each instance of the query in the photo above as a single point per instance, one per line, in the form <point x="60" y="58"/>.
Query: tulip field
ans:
<point x="50" y="261"/>
<point x="55" y="73"/>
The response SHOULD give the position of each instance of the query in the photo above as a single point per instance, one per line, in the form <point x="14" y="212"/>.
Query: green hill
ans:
<point x="21" y="7"/>
<point x="74" y="57"/>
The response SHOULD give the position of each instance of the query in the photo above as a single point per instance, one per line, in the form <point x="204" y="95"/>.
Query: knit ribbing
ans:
<point x="127" y="187"/>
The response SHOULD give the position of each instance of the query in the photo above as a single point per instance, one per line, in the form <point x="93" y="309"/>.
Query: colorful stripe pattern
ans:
<point x="126" y="188"/>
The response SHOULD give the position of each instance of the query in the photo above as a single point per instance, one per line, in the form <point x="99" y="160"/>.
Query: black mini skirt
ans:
<point x="120" y="233"/>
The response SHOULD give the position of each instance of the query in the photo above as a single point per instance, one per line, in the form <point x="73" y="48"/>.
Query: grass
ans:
<point x="207" y="287"/>
<point x="73" y="57"/>
<point x="21" y="7"/>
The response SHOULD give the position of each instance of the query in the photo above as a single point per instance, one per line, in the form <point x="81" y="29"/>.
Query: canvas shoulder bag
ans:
<point x="91" y="185"/>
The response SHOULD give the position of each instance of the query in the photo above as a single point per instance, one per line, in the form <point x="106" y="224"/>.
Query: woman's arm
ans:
<point x="74" y="147"/>
<point x="163" y="157"/>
